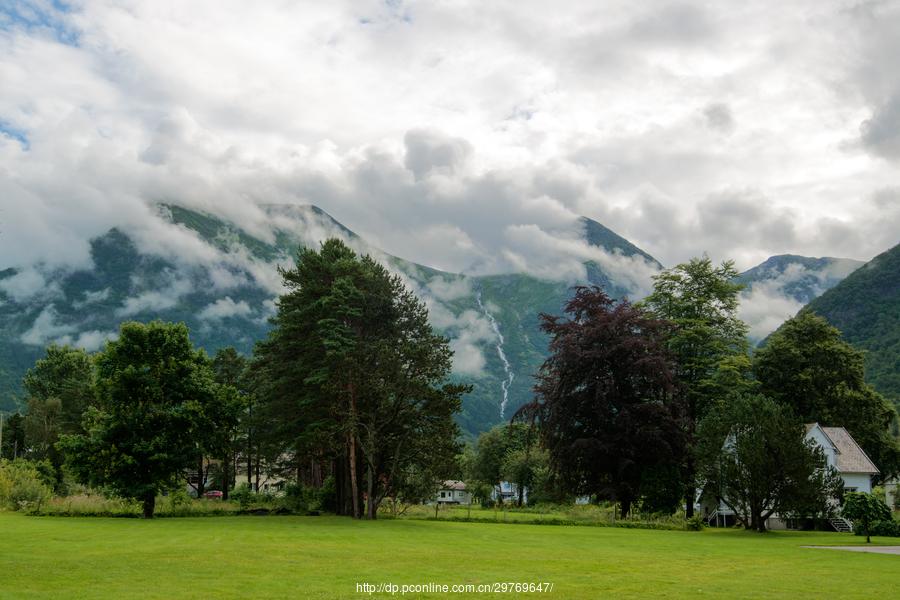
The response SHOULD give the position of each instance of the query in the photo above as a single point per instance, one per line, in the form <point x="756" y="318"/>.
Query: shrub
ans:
<point x="22" y="486"/>
<point x="695" y="523"/>
<point x="889" y="528"/>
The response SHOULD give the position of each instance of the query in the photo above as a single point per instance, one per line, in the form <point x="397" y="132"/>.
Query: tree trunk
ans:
<point x="354" y="485"/>
<point x="149" y="504"/>
<point x="250" y="445"/>
<point x="201" y="487"/>
<point x="691" y="489"/>
<point x="370" y="493"/>
<point x="226" y="467"/>
<point x="521" y="494"/>
<point x="625" y="506"/>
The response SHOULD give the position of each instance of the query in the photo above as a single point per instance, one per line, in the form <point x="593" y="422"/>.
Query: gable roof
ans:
<point x="452" y="484"/>
<point x="850" y="458"/>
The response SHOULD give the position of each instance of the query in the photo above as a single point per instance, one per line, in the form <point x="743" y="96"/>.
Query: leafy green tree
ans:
<point x="865" y="509"/>
<point x="353" y="373"/>
<point x="758" y="461"/>
<point x="230" y="370"/>
<point x="701" y="300"/>
<point x="59" y="388"/>
<point x="493" y="449"/>
<point x="154" y="390"/>
<point x="807" y="366"/>
<point x="605" y="403"/>
<point x="524" y="467"/>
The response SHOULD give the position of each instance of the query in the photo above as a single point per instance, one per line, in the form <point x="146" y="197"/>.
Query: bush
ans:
<point x="695" y="523"/>
<point x="884" y="528"/>
<point x="22" y="486"/>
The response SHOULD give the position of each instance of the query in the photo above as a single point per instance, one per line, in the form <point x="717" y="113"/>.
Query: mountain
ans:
<point x="226" y="293"/>
<point x="781" y="285"/>
<point x="801" y="278"/>
<point x="866" y="308"/>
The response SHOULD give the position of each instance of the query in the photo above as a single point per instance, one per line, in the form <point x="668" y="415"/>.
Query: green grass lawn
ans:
<point x="301" y="557"/>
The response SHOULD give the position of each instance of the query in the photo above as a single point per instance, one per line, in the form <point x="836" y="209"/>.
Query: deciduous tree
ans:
<point x="701" y="301"/>
<point x="154" y="390"/>
<point x="605" y="398"/>
<point x="757" y="460"/>
<point x="807" y="366"/>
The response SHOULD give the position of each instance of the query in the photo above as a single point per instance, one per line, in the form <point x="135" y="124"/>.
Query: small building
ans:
<point x="841" y="452"/>
<point x="508" y="492"/>
<point x="453" y="492"/>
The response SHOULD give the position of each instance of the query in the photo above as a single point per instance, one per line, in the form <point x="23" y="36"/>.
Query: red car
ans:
<point x="214" y="494"/>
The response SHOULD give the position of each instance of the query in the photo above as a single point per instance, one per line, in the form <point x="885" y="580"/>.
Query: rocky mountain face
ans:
<point x="227" y="293"/>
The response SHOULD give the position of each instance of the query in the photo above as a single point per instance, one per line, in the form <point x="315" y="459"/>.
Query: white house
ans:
<point x="453" y="492"/>
<point x="841" y="452"/>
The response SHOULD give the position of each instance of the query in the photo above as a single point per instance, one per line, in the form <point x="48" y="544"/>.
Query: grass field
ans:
<point x="325" y="557"/>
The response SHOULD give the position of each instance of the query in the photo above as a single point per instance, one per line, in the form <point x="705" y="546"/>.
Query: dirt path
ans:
<point x="875" y="549"/>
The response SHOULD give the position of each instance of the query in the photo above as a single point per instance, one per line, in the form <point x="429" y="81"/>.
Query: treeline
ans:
<point x="349" y="395"/>
<point x="647" y="405"/>
<point x="658" y="403"/>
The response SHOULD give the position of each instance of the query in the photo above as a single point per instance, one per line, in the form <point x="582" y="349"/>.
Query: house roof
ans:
<point x="850" y="458"/>
<point x="454" y="485"/>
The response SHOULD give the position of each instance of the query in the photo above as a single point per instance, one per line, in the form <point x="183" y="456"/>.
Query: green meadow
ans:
<point x="326" y="557"/>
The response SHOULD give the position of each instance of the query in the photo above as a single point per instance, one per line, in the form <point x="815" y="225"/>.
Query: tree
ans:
<point x="758" y="461"/>
<point x="154" y="390"/>
<point x="492" y="450"/>
<point x="353" y="373"/>
<point x="12" y="436"/>
<point x="701" y="300"/>
<point x="807" y="366"/>
<point x="59" y="388"/>
<point x="523" y="467"/>
<point x="865" y="509"/>
<point x="230" y="372"/>
<point x="605" y="404"/>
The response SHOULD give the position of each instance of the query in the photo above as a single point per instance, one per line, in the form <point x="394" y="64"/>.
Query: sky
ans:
<point x="468" y="136"/>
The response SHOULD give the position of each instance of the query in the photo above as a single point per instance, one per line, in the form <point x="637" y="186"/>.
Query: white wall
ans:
<point x="861" y="481"/>
<point x="819" y="437"/>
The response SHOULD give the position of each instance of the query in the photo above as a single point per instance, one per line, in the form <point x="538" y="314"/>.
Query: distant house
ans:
<point x="453" y="492"/>
<point x="508" y="492"/>
<point x="841" y="452"/>
<point x="892" y="493"/>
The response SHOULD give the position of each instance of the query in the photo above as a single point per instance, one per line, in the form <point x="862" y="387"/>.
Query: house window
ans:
<point x="443" y="494"/>
<point x="850" y="489"/>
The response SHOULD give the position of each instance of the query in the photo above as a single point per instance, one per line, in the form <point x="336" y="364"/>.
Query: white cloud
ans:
<point x="28" y="283"/>
<point x="155" y="300"/>
<point x="45" y="328"/>
<point x="89" y="340"/>
<point x="765" y="307"/>
<point x="225" y="307"/>
<point x="446" y="133"/>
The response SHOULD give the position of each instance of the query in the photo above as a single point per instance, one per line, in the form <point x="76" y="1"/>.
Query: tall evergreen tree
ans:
<point x="701" y="300"/>
<point x="605" y="400"/>
<point x="356" y="375"/>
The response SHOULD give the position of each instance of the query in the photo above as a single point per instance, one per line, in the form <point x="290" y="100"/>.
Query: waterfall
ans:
<point x="504" y="385"/>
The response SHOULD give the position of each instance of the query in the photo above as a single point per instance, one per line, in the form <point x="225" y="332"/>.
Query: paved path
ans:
<point x="875" y="549"/>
